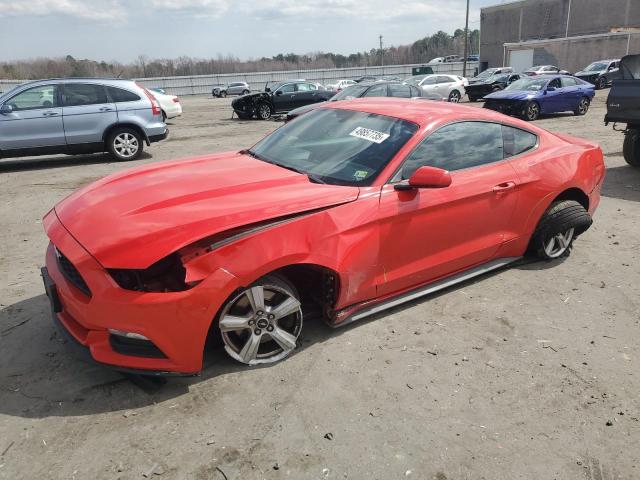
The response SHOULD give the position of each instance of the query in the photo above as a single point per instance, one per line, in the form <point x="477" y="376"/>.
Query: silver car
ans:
<point x="79" y="115"/>
<point x="234" y="88"/>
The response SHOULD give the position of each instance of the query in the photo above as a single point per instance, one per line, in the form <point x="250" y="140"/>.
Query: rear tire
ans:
<point x="223" y="94"/>
<point x="583" y="107"/>
<point x="631" y="147"/>
<point x="164" y="116"/>
<point x="560" y="225"/>
<point x="601" y="83"/>
<point x="245" y="92"/>
<point x="125" y="144"/>
<point x="454" y="96"/>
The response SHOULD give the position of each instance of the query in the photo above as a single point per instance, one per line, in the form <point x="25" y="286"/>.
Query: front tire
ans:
<point x="454" y="96"/>
<point x="601" y="83"/>
<point x="558" y="228"/>
<point x="125" y="144"/>
<point x="223" y="94"/>
<point x="583" y="107"/>
<point x="631" y="147"/>
<point x="532" y="111"/>
<point x="262" y="323"/>
<point x="245" y="92"/>
<point x="264" y="111"/>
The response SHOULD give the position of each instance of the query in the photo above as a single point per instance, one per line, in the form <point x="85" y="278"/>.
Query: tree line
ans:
<point x="420" y="51"/>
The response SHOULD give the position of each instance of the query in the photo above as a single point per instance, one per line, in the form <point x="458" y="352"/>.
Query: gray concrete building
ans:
<point x="567" y="33"/>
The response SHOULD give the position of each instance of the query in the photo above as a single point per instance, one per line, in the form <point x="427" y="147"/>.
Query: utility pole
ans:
<point x="381" y="52"/>
<point x="466" y="35"/>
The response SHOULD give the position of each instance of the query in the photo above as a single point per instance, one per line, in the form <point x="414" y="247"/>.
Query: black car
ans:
<point x="280" y="97"/>
<point x="601" y="73"/>
<point x="489" y="84"/>
<point x="368" y="89"/>
<point x="623" y="106"/>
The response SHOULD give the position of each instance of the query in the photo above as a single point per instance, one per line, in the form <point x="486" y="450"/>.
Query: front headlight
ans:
<point x="166" y="275"/>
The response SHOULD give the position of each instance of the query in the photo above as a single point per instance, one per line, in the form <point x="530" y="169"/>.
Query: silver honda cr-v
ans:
<point x="79" y="115"/>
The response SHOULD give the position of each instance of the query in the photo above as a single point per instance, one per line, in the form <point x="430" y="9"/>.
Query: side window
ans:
<point x="517" y="141"/>
<point x="457" y="146"/>
<point x="555" y="83"/>
<point x="288" y="88"/>
<point x="377" y="91"/>
<point x="568" y="82"/>
<point x="312" y="86"/>
<point x="306" y="87"/>
<point x="429" y="81"/>
<point x="36" y="97"/>
<point x="397" y="90"/>
<point x="443" y="79"/>
<point x="119" y="95"/>
<point x="77" y="94"/>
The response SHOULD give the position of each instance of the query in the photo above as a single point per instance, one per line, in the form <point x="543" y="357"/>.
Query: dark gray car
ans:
<point x="369" y="89"/>
<point x="79" y="115"/>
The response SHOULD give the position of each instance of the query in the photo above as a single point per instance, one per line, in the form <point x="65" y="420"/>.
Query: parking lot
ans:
<point x="532" y="372"/>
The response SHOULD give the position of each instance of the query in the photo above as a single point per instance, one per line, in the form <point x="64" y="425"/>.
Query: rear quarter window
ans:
<point x="517" y="141"/>
<point x="120" y="95"/>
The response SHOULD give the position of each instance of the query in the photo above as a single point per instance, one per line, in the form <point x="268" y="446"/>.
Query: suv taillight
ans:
<point x="176" y="100"/>
<point x="155" y="107"/>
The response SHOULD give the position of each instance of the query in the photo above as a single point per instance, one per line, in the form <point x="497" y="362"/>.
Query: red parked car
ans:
<point x="350" y="209"/>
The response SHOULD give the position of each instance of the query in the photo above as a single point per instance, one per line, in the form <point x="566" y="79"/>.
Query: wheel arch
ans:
<point x="568" y="193"/>
<point x="318" y="285"/>
<point x="130" y="125"/>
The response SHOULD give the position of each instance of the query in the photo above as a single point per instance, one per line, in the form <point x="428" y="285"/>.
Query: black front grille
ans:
<point x="71" y="273"/>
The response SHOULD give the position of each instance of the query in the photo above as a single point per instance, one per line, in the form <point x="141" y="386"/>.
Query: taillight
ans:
<point x="155" y="108"/>
<point x="176" y="100"/>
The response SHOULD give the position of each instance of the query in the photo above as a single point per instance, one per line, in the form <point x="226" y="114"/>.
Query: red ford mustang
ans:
<point x="348" y="210"/>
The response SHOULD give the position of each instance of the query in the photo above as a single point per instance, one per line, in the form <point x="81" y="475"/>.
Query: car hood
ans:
<point x="511" y="95"/>
<point x="135" y="218"/>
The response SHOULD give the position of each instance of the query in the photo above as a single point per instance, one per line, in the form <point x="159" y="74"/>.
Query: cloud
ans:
<point x="109" y="11"/>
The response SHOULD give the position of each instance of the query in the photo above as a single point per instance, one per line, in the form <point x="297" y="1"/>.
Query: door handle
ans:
<point x="49" y="114"/>
<point x="105" y="109"/>
<point x="504" y="187"/>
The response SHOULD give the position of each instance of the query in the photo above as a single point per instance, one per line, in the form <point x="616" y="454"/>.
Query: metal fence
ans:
<point x="202" y="84"/>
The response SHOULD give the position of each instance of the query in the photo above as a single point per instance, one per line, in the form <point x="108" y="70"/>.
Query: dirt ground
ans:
<point x="530" y="373"/>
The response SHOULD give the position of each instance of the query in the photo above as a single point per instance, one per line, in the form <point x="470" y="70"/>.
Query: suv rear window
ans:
<point x="120" y="95"/>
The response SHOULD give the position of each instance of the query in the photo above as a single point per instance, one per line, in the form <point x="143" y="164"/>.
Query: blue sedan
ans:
<point x="529" y="97"/>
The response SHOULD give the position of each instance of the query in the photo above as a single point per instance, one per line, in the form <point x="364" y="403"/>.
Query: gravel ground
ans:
<point x="529" y="373"/>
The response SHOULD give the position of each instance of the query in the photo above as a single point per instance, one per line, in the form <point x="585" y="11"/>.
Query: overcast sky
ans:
<point x="123" y="29"/>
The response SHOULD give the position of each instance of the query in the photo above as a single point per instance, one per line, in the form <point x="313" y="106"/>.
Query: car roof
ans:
<point x="421" y="113"/>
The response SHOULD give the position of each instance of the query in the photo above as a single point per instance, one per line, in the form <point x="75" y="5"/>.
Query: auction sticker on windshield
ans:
<point x="368" y="134"/>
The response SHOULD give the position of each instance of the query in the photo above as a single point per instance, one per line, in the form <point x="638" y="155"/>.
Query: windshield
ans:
<point x="485" y="74"/>
<point x="353" y="91"/>
<point x="596" y="67"/>
<point x="529" y="84"/>
<point x="339" y="147"/>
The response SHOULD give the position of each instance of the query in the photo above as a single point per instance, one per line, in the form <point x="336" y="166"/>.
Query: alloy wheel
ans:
<point x="454" y="97"/>
<point x="533" y="110"/>
<point x="558" y="244"/>
<point x="583" y="106"/>
<point x="264" y="112"/>
<point x="261" y="324"/>
<point x="126" y="145"/>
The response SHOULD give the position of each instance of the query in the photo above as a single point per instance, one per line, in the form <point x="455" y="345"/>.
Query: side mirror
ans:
<point x="426" y="177"/>
<point x="278" y="93"/>
<point x="551" y="89"/>
<point x="5" y="109"/>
